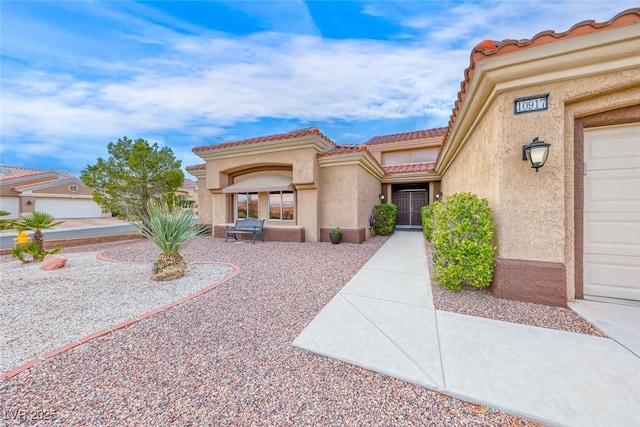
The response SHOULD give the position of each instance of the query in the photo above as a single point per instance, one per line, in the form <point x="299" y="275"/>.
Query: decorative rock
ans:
<point x="53" y="262"/>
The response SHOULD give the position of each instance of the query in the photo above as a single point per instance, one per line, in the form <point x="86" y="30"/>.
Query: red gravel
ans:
<point x="480" y="302"/>
<point x="226" y="358"/>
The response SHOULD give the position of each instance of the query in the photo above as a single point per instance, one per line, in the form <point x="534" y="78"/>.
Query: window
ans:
<point x="281" y="205"/>
<point x="182" y="197"/>
<point x="425" y="155"/>
<point x="395" y="158"/>
<point x="247" y="205"/>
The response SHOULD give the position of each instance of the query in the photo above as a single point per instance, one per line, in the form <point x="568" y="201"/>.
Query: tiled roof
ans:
<point x="342" y="149"/>
<point x="189" y="183"/>
<point x="415" y="167"/>
<point x="489" y="48"/>
<point x="293" y="134"/>
<point x="35" y="184"/>
<point x="15" y="172"/>
<point x="349" y="148"/>
<point x="200" y="167"/>
<point x="407" y="136"/>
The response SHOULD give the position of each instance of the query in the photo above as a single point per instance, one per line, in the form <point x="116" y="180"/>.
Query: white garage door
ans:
<point x="612" y="212"/>
<point x="11" y="205"/>
<point x="69" y="208"/>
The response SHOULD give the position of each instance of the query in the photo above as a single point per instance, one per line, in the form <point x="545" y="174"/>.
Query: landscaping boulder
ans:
<point x="53" y="262"/>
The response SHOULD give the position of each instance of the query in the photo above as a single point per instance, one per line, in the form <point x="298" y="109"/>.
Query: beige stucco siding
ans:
<point x="477" y="167"/>
<point x="534" y="212"/>
<point x="526" y="203"/>
<point x="338" y="204"/>
<point x="367" y="197"/>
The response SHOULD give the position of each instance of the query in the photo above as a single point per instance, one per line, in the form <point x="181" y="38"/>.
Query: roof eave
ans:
<point x="601" y="52"/>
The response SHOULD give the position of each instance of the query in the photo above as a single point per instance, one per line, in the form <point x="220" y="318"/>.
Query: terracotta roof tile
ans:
<point x="200" y="167"/>
<point x="293" y="134"/>
<point x="489" y="48"/>
<point x="407" y="136"/>
<point x="34" y="184"/>
<point x="410" y="168"/>
<point x="349" y="148"/>
<point x="15" y="172"/>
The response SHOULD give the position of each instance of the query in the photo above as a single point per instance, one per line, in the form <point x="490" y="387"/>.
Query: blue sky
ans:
<point x="78" y="74"/>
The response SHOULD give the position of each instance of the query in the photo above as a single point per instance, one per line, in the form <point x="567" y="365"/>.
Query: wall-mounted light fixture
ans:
<point x="29" y="203"/>
<point x="439" y="196"/>
<point x="536" y="152"/>
<point x="381" y="196"/>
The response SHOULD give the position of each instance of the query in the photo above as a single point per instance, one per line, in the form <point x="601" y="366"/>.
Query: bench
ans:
<point x="246" y="226"/>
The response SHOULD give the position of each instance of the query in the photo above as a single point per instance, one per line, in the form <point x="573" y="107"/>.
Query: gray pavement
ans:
<point x="384" y="320"/>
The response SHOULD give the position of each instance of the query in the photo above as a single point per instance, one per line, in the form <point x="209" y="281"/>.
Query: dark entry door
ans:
<point x="409" y="204"/>
<point x="404" y="209"/>
<point x="418" y="200"/>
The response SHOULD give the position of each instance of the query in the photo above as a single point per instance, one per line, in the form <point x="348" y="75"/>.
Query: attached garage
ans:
<point x="612" y="211"/>
<point x="69" y="208"/>
<point x="11" y="205"/>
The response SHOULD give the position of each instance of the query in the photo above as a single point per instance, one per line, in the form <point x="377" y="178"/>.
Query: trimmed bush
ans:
<point x="385" y="217"/>
<point x="462" y="232"/>
<point x="427" y="221"/>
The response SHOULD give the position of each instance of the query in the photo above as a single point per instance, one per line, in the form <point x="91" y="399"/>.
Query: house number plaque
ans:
<point x="529" y="104"/>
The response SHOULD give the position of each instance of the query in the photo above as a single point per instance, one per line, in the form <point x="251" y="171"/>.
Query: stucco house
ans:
<point x="564" y="230"/>
<point x="24" y="190"/>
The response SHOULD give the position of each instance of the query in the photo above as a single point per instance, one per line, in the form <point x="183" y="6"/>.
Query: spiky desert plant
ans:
<point x="36" y="222"/>
<point x="169" y="228"/>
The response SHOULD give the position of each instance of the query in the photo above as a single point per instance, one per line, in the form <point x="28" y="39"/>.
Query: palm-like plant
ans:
<point x="37" y="221"/>
<point x="170" y="228"/>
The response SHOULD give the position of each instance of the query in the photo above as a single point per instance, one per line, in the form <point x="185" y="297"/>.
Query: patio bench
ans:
<point x="246" y="226"/>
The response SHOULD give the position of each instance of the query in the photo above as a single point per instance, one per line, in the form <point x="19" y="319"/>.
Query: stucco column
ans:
<point x="307" y="213"/>
<point x="218" y="207"/>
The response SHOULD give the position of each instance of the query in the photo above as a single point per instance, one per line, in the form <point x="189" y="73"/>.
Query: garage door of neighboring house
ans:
<point x="69" y="208"/>
<point x="612" y="211"/>
<point x="409" y="203"/>
<point x="11" y="205"/>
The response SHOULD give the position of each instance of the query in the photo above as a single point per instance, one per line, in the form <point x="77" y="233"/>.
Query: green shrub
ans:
<point x="385" y="218"/>
<point x="427" y="221"/>
<point x="29" y="252"/>
<point x="462" y="232"/>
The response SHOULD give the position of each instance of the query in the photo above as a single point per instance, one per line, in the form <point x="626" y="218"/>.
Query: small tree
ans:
<point x="170" y="228"/>
<point x="133" y="175"/>
<point x="462" y="232"/>
<point x="36" y="222"/>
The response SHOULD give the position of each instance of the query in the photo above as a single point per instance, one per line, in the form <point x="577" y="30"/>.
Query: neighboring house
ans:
<point x="568" y="230"/>
<point x="188" y="192"/>
<point x="59" y="194"/>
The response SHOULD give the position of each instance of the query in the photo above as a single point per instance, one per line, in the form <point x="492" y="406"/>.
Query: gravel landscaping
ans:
<point x="225" y="358"/>
<point x="480" y="302"/>
<point x="76" y="301"/>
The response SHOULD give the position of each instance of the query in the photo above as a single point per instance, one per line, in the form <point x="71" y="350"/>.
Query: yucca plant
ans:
<point x="169" y="228"/>
<point x="36" y="222"/>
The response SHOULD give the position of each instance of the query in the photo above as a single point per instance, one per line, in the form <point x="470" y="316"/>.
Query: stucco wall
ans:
<point x="338" y="204"/>
<point x="368" y="197"/>
<point x="534" y="211"/>
<point x="205" y="200"/>
<point x="476" y="168"/>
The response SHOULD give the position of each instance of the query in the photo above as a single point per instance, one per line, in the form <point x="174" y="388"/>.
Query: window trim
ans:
<point x="281" y="193"/>
<point x="235" y="213"/>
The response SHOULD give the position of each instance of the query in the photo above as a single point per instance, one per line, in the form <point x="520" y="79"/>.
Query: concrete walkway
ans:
<point x="384" y="320"/>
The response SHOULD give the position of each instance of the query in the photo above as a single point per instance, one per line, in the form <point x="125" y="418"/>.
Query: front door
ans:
<point x="409" y="204"/>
